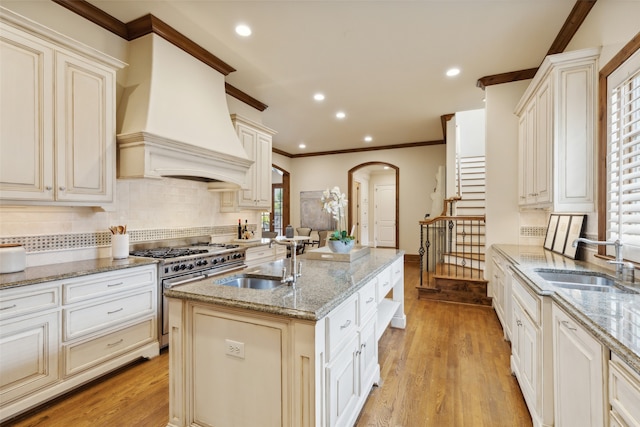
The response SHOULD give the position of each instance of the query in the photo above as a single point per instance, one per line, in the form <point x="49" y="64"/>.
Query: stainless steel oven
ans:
<point x="182" y="261"/>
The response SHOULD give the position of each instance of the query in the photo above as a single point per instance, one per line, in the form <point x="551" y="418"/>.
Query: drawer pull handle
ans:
<point x="518" y="322"/>
<point x="115" y="311"/>
<point x="115" y="284"/>
<point x="346" y="324"/>
<point x="370" y="300"/>
<point x="116" y="343"/>
<point x="568" y="325"/>
<point x="9" y="307"/>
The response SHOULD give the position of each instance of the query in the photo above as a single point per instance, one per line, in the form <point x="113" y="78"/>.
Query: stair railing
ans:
<point x="451" y="245"/>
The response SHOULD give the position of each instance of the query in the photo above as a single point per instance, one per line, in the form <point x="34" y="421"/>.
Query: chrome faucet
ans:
<point x="624" y="269"/>
<point x="295" y="269"/>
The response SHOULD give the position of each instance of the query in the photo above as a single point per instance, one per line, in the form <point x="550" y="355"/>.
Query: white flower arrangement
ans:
<point x="334" y="203"/>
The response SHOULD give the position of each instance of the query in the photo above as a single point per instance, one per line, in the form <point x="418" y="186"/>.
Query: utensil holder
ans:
<point x="120" y="246"/>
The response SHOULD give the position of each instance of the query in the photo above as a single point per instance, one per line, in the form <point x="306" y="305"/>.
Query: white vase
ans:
<point x="120" y="246"/>
<point x="340" y="246"/>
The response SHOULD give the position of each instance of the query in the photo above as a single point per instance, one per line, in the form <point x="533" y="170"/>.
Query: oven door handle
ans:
<point x="185" y="281"/>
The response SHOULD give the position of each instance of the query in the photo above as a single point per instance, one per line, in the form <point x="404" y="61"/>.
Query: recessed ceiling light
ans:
<point x="368" y="139"/>
<point x="341" y="115"/>
<point x="302" y="146"/>
<point x="243" y="30"/>
<point x="453" y="72"/>
<point x="318" y="97"/>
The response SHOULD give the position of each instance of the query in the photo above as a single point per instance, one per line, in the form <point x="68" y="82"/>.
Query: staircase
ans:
<point x="454" y="245"/>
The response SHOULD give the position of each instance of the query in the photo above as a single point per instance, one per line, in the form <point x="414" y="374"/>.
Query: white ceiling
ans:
<point x="382" y="62"/>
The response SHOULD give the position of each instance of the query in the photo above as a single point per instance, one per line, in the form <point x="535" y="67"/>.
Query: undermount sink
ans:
<point x="250" y="281"/>
<point x="582" y="281"/>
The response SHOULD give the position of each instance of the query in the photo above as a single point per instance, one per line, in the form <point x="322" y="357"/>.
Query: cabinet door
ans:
<point x="26" y="125"/>
<point x="263" y="172"/>
<point x="523" y="169"/>
<point x="543" y="144"/>
<point x="579" y="374"/>
<point x="85" y="131"/>
<point x="28" y="355"/>
<point x="530" y="154"/>
<point x="368" y="353"/>
<point x="524" y="350"/>
<point x="343" y="383"/>
<point x="249" y="139"/>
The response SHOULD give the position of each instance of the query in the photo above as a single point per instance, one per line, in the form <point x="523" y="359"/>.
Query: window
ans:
<point x="623" y="156"/>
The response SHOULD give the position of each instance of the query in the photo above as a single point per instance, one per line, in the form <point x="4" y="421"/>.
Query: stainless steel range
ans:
<point x="181" y="261"/>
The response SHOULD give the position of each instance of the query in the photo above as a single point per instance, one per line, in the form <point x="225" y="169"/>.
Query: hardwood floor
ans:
<point x="450" y="367"/>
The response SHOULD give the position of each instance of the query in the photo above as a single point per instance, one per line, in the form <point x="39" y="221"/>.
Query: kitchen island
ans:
<point x="303" y="356"/>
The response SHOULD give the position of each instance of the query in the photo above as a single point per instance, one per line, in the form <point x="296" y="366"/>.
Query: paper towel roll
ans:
<point x="12" y="258"/>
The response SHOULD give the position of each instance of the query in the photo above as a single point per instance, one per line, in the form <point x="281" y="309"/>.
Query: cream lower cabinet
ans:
<point x="257" y="255"/>
<point x="57" y="120"/>
<point x="29" y="341"/>
<point x="293" y="372"/>
<point x="531" y="351"/>
<point x="58" y="335"/>
<point x="500" y="278"/>
<point x="580" y="378"/>
<point x="624" y="394"/>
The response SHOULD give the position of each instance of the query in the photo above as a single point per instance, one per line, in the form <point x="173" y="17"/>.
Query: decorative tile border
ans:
<point x="57" y="242"/>
<point x="533" y="231"/>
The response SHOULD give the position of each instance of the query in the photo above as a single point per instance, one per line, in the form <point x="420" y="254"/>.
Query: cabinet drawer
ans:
<point x="30" y="299"/>
<point x="88" y="318"/>
<point x="384" y="283"/>
<point x="529" y="302"/>
<point x="367" y="301"/>
<point x="81" y="356"/>
<point x="341" y="325"/>
<point x="397" y="270"/>
<point x="105" y="284"/>
<point x="624" y="391"/>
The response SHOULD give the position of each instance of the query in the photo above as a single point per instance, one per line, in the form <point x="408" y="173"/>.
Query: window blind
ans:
<point x="623" y="157"/>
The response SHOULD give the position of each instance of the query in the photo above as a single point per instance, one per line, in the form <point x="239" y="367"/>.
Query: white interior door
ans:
<point x="385" y="215"/>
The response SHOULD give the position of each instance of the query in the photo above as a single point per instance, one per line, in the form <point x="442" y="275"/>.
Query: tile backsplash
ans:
<point x="151" y="209"/>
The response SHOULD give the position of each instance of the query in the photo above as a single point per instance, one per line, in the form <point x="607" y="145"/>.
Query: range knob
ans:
<point x="214" y="261"/>
<point x="222" y="259"/>
<point x="176" y="267"/>
<point x="190" y="266"/>
<point x="183" y="267"/>
<point x="205" y="262"/>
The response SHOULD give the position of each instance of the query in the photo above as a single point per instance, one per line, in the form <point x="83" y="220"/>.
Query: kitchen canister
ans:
<point x="119" y="246"/>
<point x="12" y="258"/>
<point x="288" y="232"/>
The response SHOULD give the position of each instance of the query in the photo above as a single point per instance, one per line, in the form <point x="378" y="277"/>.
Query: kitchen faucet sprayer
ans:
<point x="295" y="269"/>
<point x="624" y="269"/>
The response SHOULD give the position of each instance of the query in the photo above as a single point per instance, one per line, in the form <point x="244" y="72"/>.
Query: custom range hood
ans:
<point x="174" y="121"/>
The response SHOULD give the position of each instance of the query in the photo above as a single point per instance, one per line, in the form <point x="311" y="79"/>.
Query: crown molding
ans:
<point x="358" y="150"/>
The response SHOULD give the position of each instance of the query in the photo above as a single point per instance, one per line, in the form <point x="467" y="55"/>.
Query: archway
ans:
<point x="352" y="208"/>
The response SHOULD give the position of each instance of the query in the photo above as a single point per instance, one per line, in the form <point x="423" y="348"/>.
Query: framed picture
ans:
<point x="561" y="233"/>
<point x="551" y="231"/>
<point x="576" y="224"/>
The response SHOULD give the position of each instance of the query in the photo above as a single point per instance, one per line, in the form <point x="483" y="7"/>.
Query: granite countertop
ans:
<point x="322" y="286"/>
<point x="51" y="272"/>
<point x="613" y="318"/>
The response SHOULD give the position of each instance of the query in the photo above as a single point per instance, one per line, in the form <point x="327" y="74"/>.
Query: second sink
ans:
<point x="582" y="281"/>
<point x="250" y="281"/>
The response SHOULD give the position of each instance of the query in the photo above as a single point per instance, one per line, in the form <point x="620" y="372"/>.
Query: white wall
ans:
<point x="471" y="132"/>
<point x="501" y="145"/>
<point x="418" y="166"/>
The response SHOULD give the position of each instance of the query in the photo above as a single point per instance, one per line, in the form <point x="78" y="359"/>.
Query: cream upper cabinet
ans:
<point x="557" y="124"/>
<point x="256" y="193"/>
<point x="57" y="140"/>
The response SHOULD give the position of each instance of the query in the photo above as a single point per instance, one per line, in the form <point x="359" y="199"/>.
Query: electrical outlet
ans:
<point x="234" y="348"/>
